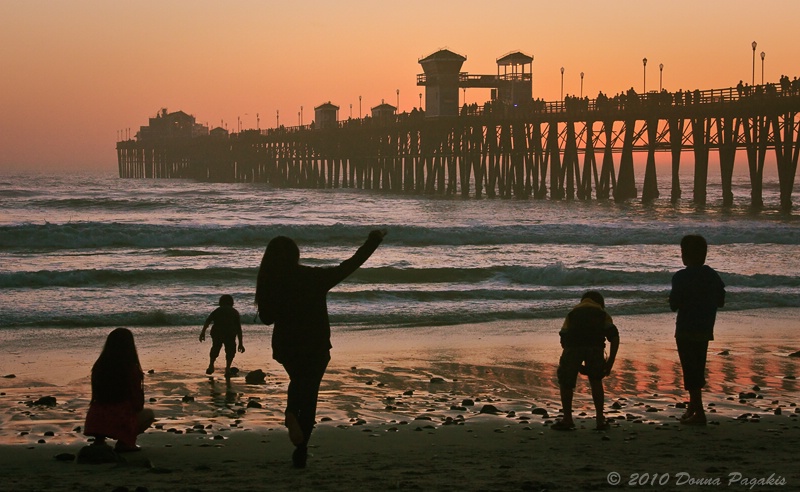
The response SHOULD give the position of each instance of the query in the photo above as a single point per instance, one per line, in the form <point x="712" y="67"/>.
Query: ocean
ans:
<point x="91" y="250"/>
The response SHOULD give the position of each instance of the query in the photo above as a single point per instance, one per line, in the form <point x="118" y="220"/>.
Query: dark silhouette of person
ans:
<point x="785" y="84"/>
<point x="294" y="298"/>
<point x="697" y="292"/>
<point x="583" y="336"/>
<point x="227" y="327"/>
<point x="117" y="408"/>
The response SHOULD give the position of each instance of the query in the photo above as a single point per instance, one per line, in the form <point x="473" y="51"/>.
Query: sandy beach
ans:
<point x="458" y="407"/>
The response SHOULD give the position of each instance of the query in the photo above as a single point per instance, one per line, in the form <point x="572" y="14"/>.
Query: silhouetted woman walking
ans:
<point x="294" y="298"/>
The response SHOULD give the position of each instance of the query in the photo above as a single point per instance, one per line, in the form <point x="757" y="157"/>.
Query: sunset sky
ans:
<point x="76" y="74"/>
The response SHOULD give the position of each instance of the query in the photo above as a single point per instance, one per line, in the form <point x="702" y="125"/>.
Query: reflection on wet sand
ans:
<point x="436" y="386"/>
<point x="220" y="398"/>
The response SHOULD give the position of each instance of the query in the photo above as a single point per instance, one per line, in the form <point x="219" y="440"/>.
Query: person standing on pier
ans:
<point x="697" y="292"/>
<point x="294" y="298"/>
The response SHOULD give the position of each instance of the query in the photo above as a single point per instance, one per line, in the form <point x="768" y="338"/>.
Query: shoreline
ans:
<point x="393" y="404"/>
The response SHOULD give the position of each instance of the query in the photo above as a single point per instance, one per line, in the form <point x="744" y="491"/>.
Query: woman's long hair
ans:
<point x="113" y="371"/>
<point x="281" y="256"/>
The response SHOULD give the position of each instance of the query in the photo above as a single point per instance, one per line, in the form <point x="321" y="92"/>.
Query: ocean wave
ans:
<point x="15" y="193"/>
<point x="79" y="204"/>
<point x="155" y="318"/>
<point x="83" y="235"/>
<point x="381" y="312"/>
<point x="109" y="278"/>
<point x="188" y="252"/>
<point x="556" y="275"/>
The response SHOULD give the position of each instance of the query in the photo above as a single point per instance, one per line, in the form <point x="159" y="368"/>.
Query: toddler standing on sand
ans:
<point x="227" y="327"/>
<point x="697" y="292"/>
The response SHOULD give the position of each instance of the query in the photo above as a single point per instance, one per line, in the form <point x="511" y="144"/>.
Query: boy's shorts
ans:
<point x="229" y="343"/>
<point x="571" y="360"/>
<point x="693" y="362"/>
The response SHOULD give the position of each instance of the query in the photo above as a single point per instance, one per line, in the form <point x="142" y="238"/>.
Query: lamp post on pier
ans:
<point x="754" y="44"/>
<point x="359" y="107"/>
<point x="398" y="100"/>
<point x="644" y="80"/>
<point x="420" y="101"/>
<point x="581" y="85"/>
<point x="277" y="118"/>
<point x="762" y="67"/>
<point x="562" y="83"/>
<point x="660" y="77"/>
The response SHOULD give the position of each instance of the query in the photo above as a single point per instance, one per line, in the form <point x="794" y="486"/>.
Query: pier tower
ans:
<point x="514" y="84"/>
<point x="383" y="111"/>
<point x="326" y="116"/>
<point x="441" y="81"/>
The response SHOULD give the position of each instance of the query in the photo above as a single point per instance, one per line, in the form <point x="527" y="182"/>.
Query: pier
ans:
<point x="511" y="146"/>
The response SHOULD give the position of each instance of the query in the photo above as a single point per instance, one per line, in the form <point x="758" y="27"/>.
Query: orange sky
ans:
<point x="73" y="74"/>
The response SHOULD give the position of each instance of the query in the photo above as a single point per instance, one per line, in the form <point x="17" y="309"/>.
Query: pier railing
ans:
<point x="573" y="106"/>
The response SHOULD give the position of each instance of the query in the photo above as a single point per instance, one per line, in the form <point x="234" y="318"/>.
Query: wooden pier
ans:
<point x="573" y="149"/>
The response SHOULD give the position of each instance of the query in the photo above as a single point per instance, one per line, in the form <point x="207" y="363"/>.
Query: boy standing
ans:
<point x="697" y="292"/>
<point x="583" y="338"/>
<point x="227" y="327"/>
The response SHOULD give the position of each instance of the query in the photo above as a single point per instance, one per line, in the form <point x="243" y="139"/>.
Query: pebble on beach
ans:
<point x="256" y="377"/>
<point x="45" y="401"/>
<point x="489" y="409"/>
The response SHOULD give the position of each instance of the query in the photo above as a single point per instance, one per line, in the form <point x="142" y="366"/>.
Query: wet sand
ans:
<point x="462" y="407"/>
